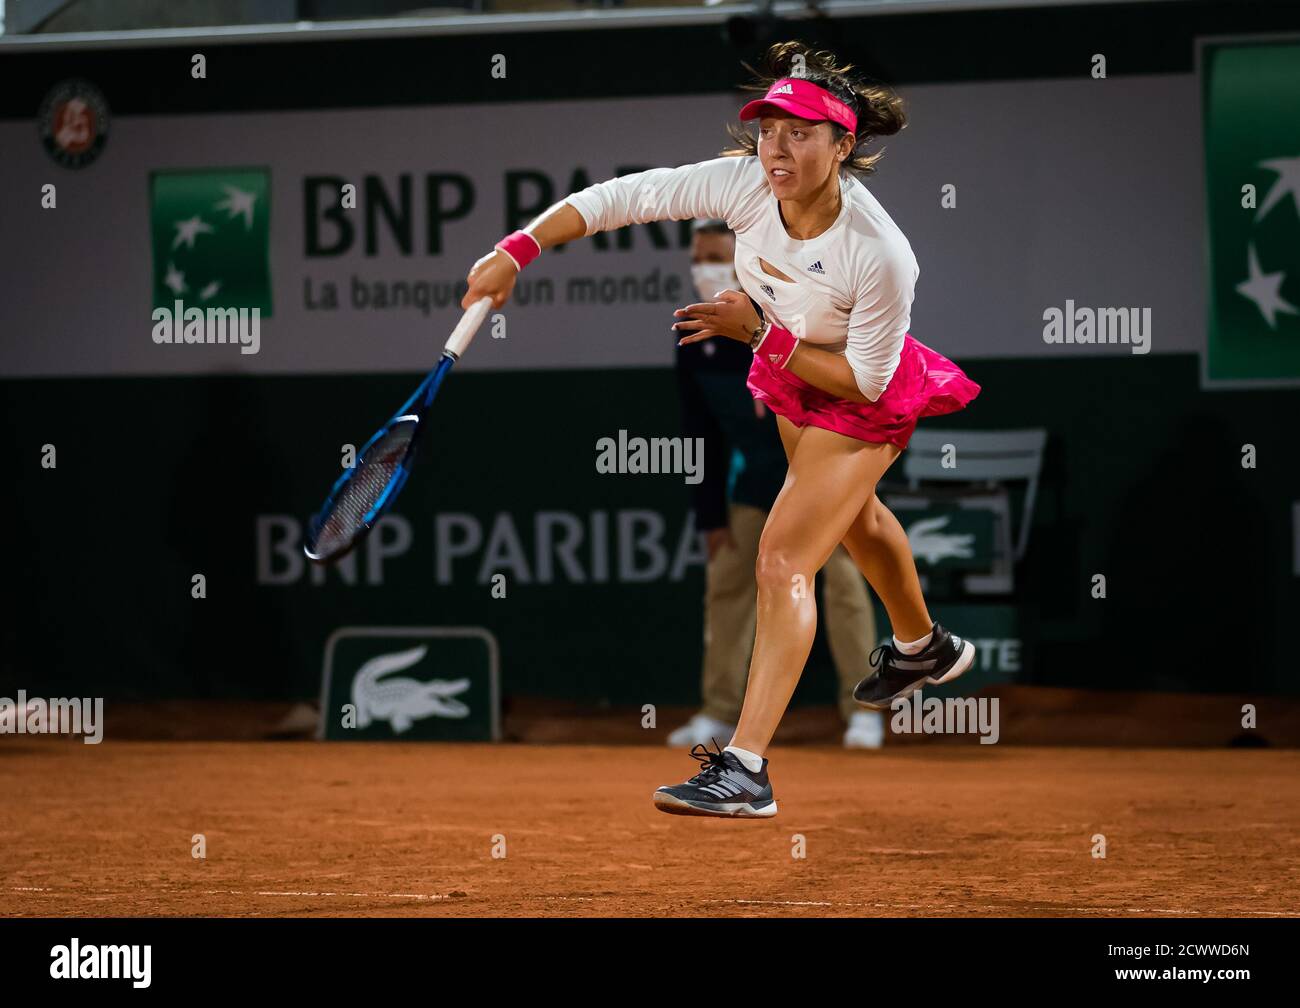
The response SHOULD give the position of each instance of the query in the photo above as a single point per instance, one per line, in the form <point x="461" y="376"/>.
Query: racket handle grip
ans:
<point x="468" y="326"/>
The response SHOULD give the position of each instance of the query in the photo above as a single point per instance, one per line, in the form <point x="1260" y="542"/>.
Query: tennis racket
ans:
<point x="365" y="492"/>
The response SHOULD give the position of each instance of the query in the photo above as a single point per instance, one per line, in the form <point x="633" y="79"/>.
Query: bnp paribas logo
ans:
<point x="1251" y="96"/>
<point x="211" y="256"/>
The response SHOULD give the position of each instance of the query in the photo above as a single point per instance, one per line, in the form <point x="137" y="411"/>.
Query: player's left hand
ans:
<point x="730" y="315"/>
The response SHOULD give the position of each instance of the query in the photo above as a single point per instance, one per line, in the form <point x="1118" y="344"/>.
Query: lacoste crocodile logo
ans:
<point x="403" y="701"/>
<point x="926" y="540"/>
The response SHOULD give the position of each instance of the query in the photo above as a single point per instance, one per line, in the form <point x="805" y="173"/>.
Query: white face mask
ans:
<point x="709" y="278"/>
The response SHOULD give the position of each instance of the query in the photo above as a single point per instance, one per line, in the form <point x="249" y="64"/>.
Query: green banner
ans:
<point x="211" y="238"/>
<point x="411" y="683"/>
<point x="1251" y="105"/>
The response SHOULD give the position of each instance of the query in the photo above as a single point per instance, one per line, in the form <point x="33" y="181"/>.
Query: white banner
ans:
<point x="1069" y="195"/>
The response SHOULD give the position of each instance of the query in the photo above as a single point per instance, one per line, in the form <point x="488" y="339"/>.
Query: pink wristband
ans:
<point x="521" y="247"/>
<point x="777" y="346"/>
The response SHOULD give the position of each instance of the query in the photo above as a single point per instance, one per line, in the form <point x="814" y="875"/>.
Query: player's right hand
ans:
<point x="492" y="276"/>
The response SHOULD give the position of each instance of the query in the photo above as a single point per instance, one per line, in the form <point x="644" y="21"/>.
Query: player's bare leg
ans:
<point x="829" y="494"/>
<point x="880" y="550"/>
<point x="879" y="547"/>
<point x="831" y="476"/>
<point x="830" y="480"/>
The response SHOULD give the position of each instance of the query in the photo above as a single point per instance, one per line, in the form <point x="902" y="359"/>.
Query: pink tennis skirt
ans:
<point x="926" y="383"/>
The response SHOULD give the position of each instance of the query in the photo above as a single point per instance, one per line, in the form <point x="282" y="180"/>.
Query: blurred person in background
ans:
<point x="744" y="467"/>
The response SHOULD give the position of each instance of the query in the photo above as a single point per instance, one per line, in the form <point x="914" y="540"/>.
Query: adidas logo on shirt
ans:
<point x="768" y="291"/>
<point x="817" y="268"/>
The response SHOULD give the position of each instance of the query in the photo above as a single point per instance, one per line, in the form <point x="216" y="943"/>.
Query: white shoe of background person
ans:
<point x="866" y="730"/>
<point x="699" y="730"/>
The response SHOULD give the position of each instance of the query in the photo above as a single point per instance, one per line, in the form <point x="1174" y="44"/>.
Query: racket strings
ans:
<point x="374" y="471"/>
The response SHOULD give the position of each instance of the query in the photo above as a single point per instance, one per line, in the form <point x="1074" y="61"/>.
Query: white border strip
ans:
<point x="495" y="24"/>
<point x="482" y="633"/>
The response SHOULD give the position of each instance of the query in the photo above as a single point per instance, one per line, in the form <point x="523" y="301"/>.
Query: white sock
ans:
<point x="752" y="761"/>
<point x="916" y="646"/>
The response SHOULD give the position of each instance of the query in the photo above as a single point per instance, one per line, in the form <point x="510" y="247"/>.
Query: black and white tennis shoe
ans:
<point x="898" y="675"/>
<point x="723" y="787"/>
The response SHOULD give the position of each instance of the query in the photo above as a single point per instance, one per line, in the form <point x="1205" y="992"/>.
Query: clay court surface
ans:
<point x="311" y="829"/>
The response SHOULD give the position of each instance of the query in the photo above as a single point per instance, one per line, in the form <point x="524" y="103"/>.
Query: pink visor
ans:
<point x="804" y="99"/>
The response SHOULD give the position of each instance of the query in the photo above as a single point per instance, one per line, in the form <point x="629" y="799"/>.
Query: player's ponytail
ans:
<point x="878" y="108"/>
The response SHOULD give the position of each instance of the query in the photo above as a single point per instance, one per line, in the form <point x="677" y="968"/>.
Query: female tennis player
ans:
<point x="834" y="360"/>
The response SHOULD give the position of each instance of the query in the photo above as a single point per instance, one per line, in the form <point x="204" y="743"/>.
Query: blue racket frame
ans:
<point x="414" y="407"/>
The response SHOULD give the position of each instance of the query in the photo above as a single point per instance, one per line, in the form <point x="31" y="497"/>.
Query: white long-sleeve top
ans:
<point x="853" y="283"/>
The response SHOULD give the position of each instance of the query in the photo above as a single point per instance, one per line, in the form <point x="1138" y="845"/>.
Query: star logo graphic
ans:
<point x="174" y="279"/>
<point x="1287" y="184"/>
<point x="188" y="230"/>
<point x="1264" y="290"/>
<point x="238" y="203"/>
<point x="211" y="232"/>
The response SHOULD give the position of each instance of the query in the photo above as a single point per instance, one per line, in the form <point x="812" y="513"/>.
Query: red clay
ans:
<point x="311" y="829"/>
